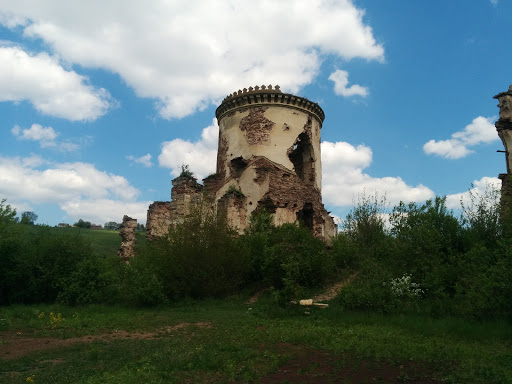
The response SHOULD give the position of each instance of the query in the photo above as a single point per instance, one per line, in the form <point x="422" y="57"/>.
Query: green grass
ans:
<point x="104" y="242"/>
<point x="245" y="343"/>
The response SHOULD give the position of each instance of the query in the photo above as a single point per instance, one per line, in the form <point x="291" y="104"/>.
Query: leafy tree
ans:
<point x="82" y="224"/>
<point x="28" y="217"/>
<point x="140" y="227"/>
<point x="7" y="213"/>
<point x="112" y="225"/>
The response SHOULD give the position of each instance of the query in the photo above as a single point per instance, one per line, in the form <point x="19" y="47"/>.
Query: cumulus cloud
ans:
<point x="200" y="156"/>
<point x="75" y="187"/>
<point x="144" y="160"/>
<point x="100" y="211"/>
<point x="478" y="189"/>
<point x="44" y="135"/>
<point x="340" y="79"/>
<point x="481" y="130"/>
<point x="343" y="177"/>
<point x="52" y="90"/>
<point x="189" y="55"/>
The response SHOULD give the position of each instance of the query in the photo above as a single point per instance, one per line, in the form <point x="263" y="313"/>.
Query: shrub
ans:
<point x="481" y="216"/>
<point x="201" y="257"/>
<point x="36" y="263"/>
<point x="294" y="260"/>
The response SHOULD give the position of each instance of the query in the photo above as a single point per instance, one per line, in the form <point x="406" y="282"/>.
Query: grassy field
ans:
<point x="228" y="341"/>
<point x="104" y="242"/>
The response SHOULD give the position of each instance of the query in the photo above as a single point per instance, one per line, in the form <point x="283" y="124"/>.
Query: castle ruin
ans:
<point x="504" y="128"/>
<point x="268" y="158"/>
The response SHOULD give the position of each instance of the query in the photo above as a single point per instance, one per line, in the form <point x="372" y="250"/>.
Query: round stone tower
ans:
<point x="283" y="128"/>
<point x="269" y="157"/>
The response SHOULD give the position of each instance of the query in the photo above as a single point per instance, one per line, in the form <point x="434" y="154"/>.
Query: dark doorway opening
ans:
<point x="305" y="216"/>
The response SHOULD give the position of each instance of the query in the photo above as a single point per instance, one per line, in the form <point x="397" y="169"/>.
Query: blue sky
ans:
<point x="102" y="102"/>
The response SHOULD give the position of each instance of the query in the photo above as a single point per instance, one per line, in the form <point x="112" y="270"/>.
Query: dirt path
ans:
<point x="14" y="344"/>
<point x="331" y="292"/>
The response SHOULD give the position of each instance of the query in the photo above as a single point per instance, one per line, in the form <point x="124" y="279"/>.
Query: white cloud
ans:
<point x="100" y="211"/>
<point x="45" y="136"/>
<point x="52" y="90"/>
<point x="494" y="2"/>
<point x="479" y="188"/>
<point x="343" y="178"/>
<point x="188" y="55"/>
<point x="481" y="130"/>
<point x="37" y="133"/>
<point x="200" y="156"/>
<point x="79" y="188"/>
<point x="144" y="160"/>
<point x="340" y="79"/>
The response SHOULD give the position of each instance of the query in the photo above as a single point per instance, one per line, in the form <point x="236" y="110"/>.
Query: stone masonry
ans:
<point x="268" y="158"/>
<point x="127" y="233"/>
<point x="504" y="128"/>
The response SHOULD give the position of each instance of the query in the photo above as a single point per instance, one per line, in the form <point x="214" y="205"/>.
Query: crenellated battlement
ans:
<point x="265" y="96"/>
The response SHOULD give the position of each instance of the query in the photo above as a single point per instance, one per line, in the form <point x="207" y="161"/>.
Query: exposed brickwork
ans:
<point x="287" y="190"/>
<point x="222" y="154"/>
<point x="158" y="219"/>
<point x="273" y="169"/>
<point x="127" y="233"/>
<point x="504" y="128"/>
<point x="256" y="126"/>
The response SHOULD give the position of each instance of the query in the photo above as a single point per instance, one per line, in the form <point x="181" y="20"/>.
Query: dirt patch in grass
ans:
<point x="14" y="344"/>
<point x="316" y="366"/>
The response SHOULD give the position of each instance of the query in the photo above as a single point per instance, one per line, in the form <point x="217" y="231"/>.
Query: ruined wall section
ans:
<point x="186" y="192"/>
<point x="504" y="128"/>
<point x="128" y="240"/>
<point x="158" y="219"/>
<point x="162" y="215"/>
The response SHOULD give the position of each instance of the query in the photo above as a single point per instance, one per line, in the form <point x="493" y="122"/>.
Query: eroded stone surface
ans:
<point x="504" y="128"/>
<point x="257" y="127"/>
<point x="127" y="233"/>
<point x="259" y="166"/>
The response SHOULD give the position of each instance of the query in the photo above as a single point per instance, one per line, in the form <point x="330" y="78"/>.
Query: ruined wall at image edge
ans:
<point x="504" y="128"/>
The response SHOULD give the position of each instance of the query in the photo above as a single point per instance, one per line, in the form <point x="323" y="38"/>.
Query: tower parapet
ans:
<point x="266" y="95"/>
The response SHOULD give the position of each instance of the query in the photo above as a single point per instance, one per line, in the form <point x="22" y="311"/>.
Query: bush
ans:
<point x="202" y="257"/>
<point x="294" y="260"/>
<point x="36" y="262"/>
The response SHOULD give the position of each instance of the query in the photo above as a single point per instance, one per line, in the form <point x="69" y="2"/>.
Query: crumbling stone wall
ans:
<point x="162" y="215"/>
<point x="158" y="219"/>
<point x="268" y="158"/>
<point x="504" y="128"/>
<point x="127" y="233"/>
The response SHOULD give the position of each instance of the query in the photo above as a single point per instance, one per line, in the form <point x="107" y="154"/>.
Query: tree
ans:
<point x="140" y="227"/>
<point x="6" y="212"/>
<point x="28" y="217"/>
<point x="82" y="224"/>
<point x="112" y="225"/>
<point x="186" y="172"/>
